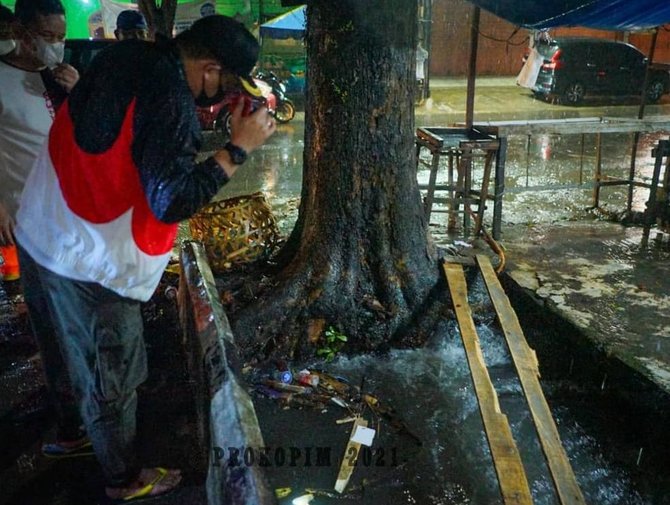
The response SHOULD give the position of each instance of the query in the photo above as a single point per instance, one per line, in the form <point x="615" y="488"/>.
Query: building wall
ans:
<point x="501" y="45"/>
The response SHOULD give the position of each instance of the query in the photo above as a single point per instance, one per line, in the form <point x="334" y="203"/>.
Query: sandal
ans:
<point x="68" y="449"/>
<point x="144" y="493"/>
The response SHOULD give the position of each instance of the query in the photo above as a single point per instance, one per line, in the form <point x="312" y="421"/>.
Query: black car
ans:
<point x="573" y="68"/>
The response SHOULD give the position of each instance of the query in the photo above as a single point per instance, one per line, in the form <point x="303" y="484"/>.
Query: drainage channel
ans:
<point x="298" y="457"/>
<point x="612" y="424"/>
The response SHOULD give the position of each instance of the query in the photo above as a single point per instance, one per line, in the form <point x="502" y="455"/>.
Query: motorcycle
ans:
<point x="273" y="91"/>
<point x="217" y="117"/>
<point x="284" y="109"/>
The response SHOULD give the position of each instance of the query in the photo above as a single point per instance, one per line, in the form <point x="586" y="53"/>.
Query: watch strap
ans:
<point x="237" y="154"/>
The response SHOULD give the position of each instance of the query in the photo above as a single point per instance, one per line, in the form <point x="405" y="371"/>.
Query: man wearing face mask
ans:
<point x="100" y="210"/>
<point x="29" y="96"/>
<point x="44" y="21"/>
<point x="30" y="92"/>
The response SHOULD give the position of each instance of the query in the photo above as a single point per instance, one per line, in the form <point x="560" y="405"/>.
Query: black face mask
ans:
<point x="202" y="100"/>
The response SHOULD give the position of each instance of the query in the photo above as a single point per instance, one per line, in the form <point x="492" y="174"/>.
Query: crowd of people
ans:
<point x="96" y="171"/>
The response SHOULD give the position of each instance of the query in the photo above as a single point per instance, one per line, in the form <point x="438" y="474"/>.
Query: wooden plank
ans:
<point x="506" y="459"/>
<point x="527" y="368"/>
<point x="350" y="457"/>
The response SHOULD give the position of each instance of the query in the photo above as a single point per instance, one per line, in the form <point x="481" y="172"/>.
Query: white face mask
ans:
<point x="7" y="46"/>
<point x="49" y="54"/>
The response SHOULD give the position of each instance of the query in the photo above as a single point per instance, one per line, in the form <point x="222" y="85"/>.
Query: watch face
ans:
<point x="237" y="154"/>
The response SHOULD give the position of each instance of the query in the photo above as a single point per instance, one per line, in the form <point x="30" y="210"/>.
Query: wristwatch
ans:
<point x="237" y="154"/>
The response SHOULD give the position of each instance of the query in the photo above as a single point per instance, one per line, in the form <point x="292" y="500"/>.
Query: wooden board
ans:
<point x="527" y="368"/>
<point x="506" y="459"/>
<point x="350" y="456"/>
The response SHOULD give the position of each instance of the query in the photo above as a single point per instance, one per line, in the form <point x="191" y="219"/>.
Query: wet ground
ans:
<point x="166" y="417"/>
<point x="606" y="291"/>
<point x="498" y="98"/>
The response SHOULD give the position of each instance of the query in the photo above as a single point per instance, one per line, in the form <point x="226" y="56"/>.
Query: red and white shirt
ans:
<point x="118" y="172"/>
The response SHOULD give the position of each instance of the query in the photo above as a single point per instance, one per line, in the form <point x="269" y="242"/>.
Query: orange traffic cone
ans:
<point x="9" y="266"/>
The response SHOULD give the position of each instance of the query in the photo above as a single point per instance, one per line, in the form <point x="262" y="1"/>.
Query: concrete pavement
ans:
<point x="596" y="275"/>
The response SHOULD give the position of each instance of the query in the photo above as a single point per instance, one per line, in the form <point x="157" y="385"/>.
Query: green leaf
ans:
<point x="323" y="351"/>
<point x="341" y="337"/>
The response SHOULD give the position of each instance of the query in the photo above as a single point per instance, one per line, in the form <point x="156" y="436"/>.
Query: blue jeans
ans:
<point x="92" y="336"/>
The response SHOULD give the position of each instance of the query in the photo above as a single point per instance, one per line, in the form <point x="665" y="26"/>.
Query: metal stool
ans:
<point x="462" y="147"/>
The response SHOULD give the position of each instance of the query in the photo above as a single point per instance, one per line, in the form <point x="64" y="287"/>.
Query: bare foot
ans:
<point x="157" y="481"/>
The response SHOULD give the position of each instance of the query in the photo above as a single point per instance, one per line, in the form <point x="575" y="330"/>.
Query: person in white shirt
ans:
<point x="33" y="81"/>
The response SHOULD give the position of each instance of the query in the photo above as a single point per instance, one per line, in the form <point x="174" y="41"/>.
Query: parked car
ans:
<point x="573" y="68"/>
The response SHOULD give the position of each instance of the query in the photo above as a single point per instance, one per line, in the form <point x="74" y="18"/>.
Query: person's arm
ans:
<point x="167" y="141"/>
<point x="6" y="226"/>
<point x="247" y="133"/>
<point x="56" y="92"/>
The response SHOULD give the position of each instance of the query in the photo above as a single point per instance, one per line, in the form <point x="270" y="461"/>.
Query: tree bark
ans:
<point x="160" y="19"/>
<point x="359" y="258"/>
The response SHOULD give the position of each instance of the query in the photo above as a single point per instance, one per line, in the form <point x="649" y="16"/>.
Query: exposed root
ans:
<point x="285" y="316"/>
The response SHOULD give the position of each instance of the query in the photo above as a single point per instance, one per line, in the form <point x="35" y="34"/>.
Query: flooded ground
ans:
<point x="166" y="416"/>
<point x="548" y="180"/>
<point x="611" y="449"/>
<point x="432" y="390"/>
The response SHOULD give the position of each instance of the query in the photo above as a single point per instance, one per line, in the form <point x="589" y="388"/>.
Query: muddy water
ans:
<point x="548" y="180"/>
<point x="432" y="391"/>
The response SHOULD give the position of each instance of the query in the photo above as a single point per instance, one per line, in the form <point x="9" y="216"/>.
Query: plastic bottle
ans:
<point x="306" y="378"/>
<point x="284" y="376"/>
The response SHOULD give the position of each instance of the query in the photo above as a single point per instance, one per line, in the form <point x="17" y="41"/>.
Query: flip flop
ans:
<point x="143" y="494"/>
<point x="59" y="451"/>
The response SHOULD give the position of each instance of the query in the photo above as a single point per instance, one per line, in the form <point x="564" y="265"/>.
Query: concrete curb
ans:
<point x="226" y="415"/>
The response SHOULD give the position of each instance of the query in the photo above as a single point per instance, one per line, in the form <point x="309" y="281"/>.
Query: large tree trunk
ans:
<point x="358" y="259"/>
<point x="160" y="19"/>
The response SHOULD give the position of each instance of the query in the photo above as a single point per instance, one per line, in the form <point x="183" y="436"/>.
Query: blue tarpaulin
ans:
<point x="289" y="25"/>
<point x="625" y="15"/>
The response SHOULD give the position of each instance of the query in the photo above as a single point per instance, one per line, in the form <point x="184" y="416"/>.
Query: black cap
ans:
<point x="130" y="20"/>
<point x="229" y="42"/>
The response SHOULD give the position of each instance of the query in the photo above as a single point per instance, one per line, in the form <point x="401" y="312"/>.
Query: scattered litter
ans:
<point x="282" y="492"/>
<point x="307" y="378"/>
<point x="346" y="420"/>
<point x="282" y="386"/>
<point x="363" y="435"/>
<point x="282" y="372"/>
<point x="303" y="500"/>
<point x="322" y="492"/>
<point x="339" y="402"/>
<point x="312" y="388"/>
<point x="316" y="389"/>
